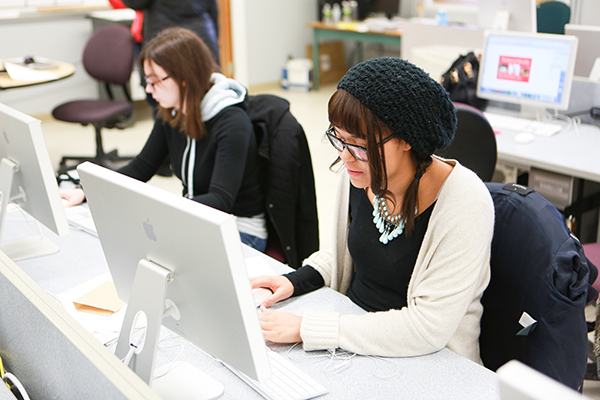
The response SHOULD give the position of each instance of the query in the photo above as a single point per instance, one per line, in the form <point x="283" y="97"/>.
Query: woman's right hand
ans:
<point x="74" y="197"/>
<point x="281" y="287"/>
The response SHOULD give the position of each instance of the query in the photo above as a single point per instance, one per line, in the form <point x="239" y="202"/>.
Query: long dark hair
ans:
<point x="188" y="61"/>
<point x="348" y="113"/>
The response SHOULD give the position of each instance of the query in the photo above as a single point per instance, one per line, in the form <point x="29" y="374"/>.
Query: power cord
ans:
<point x="344" y="358"/>
<point x="573" y="121"/>
<point x="2" y="372"/>
<point x="593" y="112"/>
<point x="137" y="337"/>
<point x="168" y="367"/>
<point x="15" y="384"/>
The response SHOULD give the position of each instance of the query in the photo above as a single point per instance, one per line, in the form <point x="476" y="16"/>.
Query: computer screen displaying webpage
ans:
<point x="527" y="69"/>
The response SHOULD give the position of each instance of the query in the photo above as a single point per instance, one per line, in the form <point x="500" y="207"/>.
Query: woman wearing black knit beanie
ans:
<point x="413" y="230"/>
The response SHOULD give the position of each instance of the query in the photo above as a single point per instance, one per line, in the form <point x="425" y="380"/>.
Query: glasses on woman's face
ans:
<point x="358" y="152"/>
<point x="152" y="83"/>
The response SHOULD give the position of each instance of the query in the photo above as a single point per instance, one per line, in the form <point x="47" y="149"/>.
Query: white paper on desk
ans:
<point x="258" y="266"/>
<point x="92" y="323"/>
<point x="19" y="73"/>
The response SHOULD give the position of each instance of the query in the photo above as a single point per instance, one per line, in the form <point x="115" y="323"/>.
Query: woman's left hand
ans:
<point x="280" y="327"/>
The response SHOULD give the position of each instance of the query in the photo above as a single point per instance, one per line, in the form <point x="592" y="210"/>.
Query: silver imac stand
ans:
<point x="29" y="247"/>
<point x="535" y="113"/>
<point x="138" y="350"/>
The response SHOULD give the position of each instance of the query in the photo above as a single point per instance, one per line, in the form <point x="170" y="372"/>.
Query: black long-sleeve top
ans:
<point x="225" y="164"/>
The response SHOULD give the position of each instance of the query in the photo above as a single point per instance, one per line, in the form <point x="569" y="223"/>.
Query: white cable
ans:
<point x="27" y="218"/>
<point x="56" y="299"/>
<point x="127" y="359"/>
<point x="376" y="359"/>
<point x="13" y="379"/>
<point x="343" y="358"/>
<point x="172" y="363"/>
<point x="572" y="122"/>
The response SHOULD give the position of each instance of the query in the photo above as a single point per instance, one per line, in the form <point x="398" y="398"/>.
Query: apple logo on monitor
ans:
<point x="149" y="229"/>
<point x="5" y="136"/>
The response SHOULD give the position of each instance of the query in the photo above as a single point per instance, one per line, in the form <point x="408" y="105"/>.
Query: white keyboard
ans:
<point x="80" y="217"/>
<point x="287" y="382"/>
<point x="541" y="128"/>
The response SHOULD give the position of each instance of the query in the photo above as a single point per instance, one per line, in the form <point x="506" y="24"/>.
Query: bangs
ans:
<point x="348" y="113"/>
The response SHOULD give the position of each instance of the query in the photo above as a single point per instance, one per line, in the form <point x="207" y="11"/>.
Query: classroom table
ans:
<point x="62" y="70"/>
<point x="572" y="152"/>
<point x="330" y="31"/>
<point x="441" y="375"/>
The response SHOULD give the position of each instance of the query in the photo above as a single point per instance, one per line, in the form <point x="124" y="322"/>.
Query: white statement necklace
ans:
<point x="389" y="225"/>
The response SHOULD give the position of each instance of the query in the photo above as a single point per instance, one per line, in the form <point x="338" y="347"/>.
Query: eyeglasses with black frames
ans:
<point x="152" y="83"/>
<point x="358" y="152"/>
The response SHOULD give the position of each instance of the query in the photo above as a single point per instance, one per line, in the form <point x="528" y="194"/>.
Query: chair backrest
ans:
<point x="108" y="54"/>
<point x="539" y="273"/>
<point x="474" y="144"/>
<point x="287" y="177"/>
<point x="552" y="16"/>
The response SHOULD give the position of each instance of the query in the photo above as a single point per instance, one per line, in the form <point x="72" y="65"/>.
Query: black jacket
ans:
<point x="200" y="16"/>
<point x="287" y="177"/>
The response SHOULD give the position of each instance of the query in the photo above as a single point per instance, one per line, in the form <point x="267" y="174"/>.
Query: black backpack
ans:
<point x="460" y="81"/>
<point x="538" y="267"/>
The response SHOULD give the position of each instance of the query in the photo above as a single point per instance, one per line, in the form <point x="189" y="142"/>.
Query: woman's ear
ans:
<point x="404" y="145"/>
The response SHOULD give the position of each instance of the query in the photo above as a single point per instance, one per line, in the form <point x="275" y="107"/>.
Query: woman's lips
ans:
<point x="353" y="172"/>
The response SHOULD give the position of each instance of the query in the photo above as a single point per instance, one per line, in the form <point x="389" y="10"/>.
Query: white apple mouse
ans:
<point x="524" y="137"/>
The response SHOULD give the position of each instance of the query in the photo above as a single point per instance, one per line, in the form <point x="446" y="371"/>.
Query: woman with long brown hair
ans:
<point x="203" y="126"/>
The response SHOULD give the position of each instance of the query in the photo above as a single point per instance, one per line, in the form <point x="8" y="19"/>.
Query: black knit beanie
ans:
<point x="405" y="98"/>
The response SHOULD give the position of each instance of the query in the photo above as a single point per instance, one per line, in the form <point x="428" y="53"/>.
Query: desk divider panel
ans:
<point x="50" y="353"/>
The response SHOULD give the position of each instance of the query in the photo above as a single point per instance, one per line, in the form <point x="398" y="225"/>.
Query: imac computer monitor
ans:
<point x="512" y="15"/>
<point x="588" y="49"/>
<point x="27" y="179"/>
<point x="529" y="69"/>
<point x="171" y="255"/>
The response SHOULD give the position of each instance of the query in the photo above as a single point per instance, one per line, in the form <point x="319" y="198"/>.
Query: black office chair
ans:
<point x="107" y="57"/>
<point x="552" y="16"/>
<point x="474" y="145"/>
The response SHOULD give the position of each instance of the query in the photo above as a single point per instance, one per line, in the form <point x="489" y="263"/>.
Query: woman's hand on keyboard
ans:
<point x="279" y="326"/>
<point x="74" y="197"/>
<point x="281" y="287"/>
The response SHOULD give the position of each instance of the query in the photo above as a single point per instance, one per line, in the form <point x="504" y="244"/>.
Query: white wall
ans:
<point x="61" y="39"/>
<point x="265" y="33"/>
<point x="585" y="12"/>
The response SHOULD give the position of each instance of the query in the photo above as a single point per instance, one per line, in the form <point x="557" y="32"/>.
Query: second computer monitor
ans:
<point x="512" y="15"/>
<point x="588" y="49"/>
<point x="189" y="257"/>
<point x="27" y="180"/>
<point x="532" y="70"/>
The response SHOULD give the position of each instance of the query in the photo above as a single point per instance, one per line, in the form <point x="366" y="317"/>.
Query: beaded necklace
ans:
<point x="389" y="225"/>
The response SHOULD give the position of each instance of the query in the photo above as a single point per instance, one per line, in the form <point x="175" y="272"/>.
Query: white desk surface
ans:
<point x="442" y="375"/>
<point x="573" y="152"/>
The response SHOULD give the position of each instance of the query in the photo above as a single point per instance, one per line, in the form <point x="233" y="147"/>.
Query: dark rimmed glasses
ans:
<point x="149" y="82"/>
<point x="358" y="152"/>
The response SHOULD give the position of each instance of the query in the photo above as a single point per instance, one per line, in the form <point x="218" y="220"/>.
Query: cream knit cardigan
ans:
<point x="443" y="300"/>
